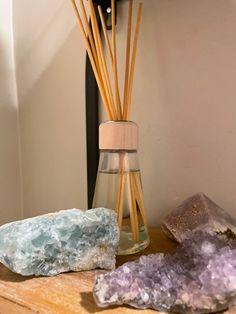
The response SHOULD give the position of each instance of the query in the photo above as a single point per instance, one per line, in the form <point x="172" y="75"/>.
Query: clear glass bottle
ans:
<point x="119" y="184"/>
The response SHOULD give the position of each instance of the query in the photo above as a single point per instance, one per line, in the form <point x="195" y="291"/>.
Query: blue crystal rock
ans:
<point x="199" y="278"/>
<point x="70" y="240"/>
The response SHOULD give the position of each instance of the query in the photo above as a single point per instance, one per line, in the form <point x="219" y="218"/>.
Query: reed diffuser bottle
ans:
<point x="119" y="185"/>
<point x="118" y="181"/>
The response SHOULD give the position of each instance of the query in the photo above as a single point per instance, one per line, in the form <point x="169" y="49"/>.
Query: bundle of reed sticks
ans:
<point x="110" y="92"/>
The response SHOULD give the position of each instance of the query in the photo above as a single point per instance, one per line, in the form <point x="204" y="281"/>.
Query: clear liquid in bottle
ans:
<point x="123" y="197"/>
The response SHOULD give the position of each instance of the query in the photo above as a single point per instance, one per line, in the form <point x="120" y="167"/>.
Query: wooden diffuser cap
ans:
<point x="118" y="135"/>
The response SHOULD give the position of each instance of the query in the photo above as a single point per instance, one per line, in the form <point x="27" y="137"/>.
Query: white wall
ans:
<point x="10" y="202"/>
<point x="50" y="60"/>
<point x="184" y="102"/>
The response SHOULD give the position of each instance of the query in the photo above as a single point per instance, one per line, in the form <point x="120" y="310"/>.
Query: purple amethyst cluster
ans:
<point x="199" y="278"/>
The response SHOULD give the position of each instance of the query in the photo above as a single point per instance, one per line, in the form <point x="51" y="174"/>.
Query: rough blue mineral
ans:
<point x="70" y="240"/>
<point x="199" y="278"/>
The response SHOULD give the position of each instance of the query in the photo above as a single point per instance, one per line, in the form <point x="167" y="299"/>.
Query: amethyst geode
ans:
<point x="198" y="212"/>
<point x="199" y="278"/>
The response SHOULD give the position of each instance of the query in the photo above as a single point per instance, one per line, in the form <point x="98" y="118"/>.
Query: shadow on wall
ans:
<point x="50" y="76"/>
<point x="36" y="49"/>
<point x="10" y="204"/>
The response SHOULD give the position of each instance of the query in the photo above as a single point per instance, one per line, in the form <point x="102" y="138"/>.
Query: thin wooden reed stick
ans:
<point x="115" y="71"/>
<point x="132" y="206"/>
<point x="139" y="196"/>
<point x="128" y="40"/>
<point x="121" y="186"/>
<point x="101" y="59"/>
<point x="131" y="76"/>
<point x="108" y="45"/>
<point x="133" y="209"/>
<point x="88" y="30"/>
<point x="120" y="198"/>
<point x="98" y="78"/>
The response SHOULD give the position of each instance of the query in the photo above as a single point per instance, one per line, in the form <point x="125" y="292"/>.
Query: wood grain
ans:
<point x="68" y="293"/>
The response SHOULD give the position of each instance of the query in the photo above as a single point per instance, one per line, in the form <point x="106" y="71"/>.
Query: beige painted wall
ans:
<point x="10" y="203"/>
<point x="50" y="76"/>
<point x="184" y="100"/>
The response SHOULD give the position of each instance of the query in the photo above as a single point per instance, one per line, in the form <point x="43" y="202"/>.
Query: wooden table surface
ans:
<point x="67" y="293"/>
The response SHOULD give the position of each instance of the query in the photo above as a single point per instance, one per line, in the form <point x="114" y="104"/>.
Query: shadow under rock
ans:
<point x="8" y="275"/>
<point x="88" y="303"/>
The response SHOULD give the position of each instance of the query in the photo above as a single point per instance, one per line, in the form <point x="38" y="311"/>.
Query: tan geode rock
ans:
<point x="198" y="213"/>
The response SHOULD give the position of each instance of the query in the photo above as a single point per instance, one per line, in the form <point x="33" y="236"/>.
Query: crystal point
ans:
<point x="198" y="213"/>
<point x="59" y="242"/>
